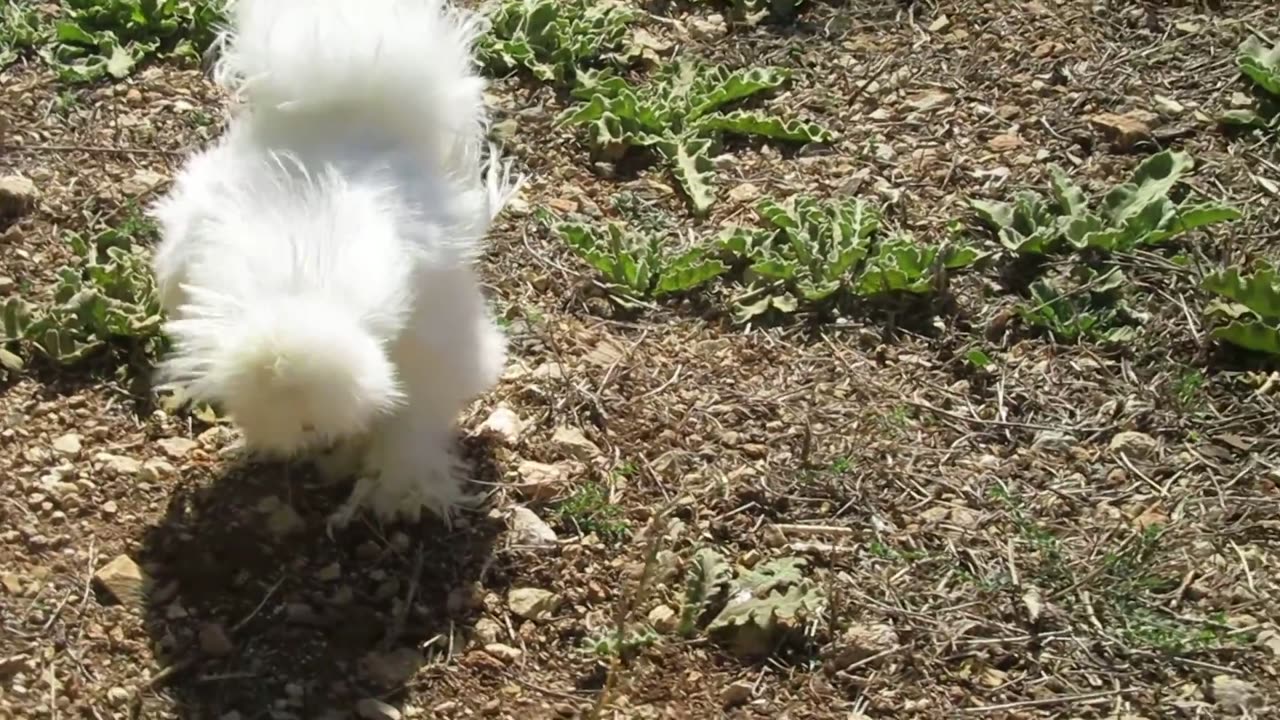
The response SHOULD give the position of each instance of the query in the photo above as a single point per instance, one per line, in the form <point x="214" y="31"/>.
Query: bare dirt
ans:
<point x="1074" y="532"/>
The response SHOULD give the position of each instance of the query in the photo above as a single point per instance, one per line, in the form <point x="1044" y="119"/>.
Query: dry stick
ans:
<point x="91" y="149"/>
<point x="1002" y="423"/>
<point x="657" y="528"/>
<point x="398" y="622"/>
<point x="1060" y="700"/>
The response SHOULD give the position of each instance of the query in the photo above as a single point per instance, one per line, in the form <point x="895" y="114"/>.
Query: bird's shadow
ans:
<point x="254" y="611"/>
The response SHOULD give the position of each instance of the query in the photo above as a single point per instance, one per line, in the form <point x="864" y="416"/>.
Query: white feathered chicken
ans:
<point x="316" y="264"/>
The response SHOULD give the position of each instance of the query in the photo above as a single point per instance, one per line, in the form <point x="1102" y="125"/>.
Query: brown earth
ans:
<point x="992" y="543"/>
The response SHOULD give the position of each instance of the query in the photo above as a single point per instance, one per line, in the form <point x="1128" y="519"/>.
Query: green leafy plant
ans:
<point x="708" y="576"/>
<point x="809" y="250"/>
<point x="901" y="264"/>
<point x="639" y="265"/>
<point x="758" y="607"/>
<point x="622" y="643"/>
<point x="767" y="604"/>
<point x="1134" y="214"/>
<point x="22" y="28"/>
<point x="107" y="297"/>
<point x="590" y="511"/>
<point x="94" y="39"/>
<point x="1250" y="317"/>
<point x="1262" y="66"/>
<point x="681" y="114"/>
<point x="1084" y="305"/>
<point x="553" y="39"/>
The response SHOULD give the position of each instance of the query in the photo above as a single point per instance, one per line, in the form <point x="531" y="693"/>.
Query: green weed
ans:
<point x="1249" y="316"/>
<point x="95" y="39"/>
<point x="589" y="510"/>
<point x="638" y="266"/>
<point x="1262" y="66"/>
<point x="105" y="298"/>
<point x="681" y="115"/>
<point x="553" y="39"/>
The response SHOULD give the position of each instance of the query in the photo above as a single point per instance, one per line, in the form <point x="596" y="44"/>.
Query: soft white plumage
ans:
<point x="316" y="263"/>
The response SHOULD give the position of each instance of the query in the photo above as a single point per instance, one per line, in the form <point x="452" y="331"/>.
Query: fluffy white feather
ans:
<point x="316" y="262"/>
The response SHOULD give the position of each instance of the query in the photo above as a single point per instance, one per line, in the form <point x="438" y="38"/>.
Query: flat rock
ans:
<point x="1127" y="129"/>
<point x="118" y="465"/>
<point x="539" y="481"/>
<point x="570" y="441"/>
<point x="177" y="447"/>
<point x="736" y="693"/>
<point x="17" y="195"/>
<point x="1235" y="694"/>
<point x="284" y="521"/>
<point x="142" y="182"/>
<point x="391" y="669"/>
<point x="859" y="642"/>
<point x="67" y="446"/>
<point x="214" y="640"/>
<point x="123" y="580"/>
<point x="375" y="709"/>
<point x="504" y="424"/>
<point x="487" y="631"/>
<point x="663" y="619"/>
<point x="1136" y="445"/>
<point x="505" y="653"/>
<point x="529" y="529"/>
<point x="532" y="603"/>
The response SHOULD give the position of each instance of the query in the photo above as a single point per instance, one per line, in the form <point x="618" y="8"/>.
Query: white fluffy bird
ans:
<point x="316" y="263"/>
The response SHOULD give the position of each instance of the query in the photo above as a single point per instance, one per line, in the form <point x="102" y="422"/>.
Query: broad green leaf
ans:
<point x="1251" y="335"/>
<point x="693" y="169"/>
<point x="708" y="575"/>
<point x="752" y="122"/>
<point x="1261" y="64"/>
<point x="1259" y="291"/>
<point x="996" y="215"/>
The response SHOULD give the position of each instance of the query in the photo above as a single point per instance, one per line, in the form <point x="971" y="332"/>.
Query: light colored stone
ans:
<point x="860" y="642"/>
<point x="532" y="603"/>
<point x="572" y="442"/>
<point x="504" y="424"/>
<point x="1136" y="445"/>
<point x="529" y="529"/>
<point x="17" y="195"/>
<point x="487" y="631"/>
<point x="375" y="709"/>
<point x="391" y="669"/>
<point x="505" y="653"/>
<point x="1233" y="693"/>
<point x="123" y="580"/>
<point x="284" y="521"/>
<point x="736" y="693"/>
<point x="177" y="447"/>
<point x="67" y="445"/>
<point x="214" y="640"/>
<point x="118" y="465"/>
<point x="663" y="619"/>
<point x="539" y="481"/>
<point x="142" y="182"/>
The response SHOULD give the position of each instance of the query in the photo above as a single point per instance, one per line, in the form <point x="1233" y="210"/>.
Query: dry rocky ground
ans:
<point x="1073" y="532"/>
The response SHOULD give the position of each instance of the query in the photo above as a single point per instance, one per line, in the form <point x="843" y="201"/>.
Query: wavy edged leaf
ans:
<point x="708" y="575"/>
<point x="687" y="271"/>
<point x="1260" y="63"/>
<point x="718" y="87"/>
<point x="1251" y="334"/>
<point x="1259" y="291"/>
<point x="690" y="162"/>
<point x="754" y="122"/>
<point x="1150" y="184"/>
